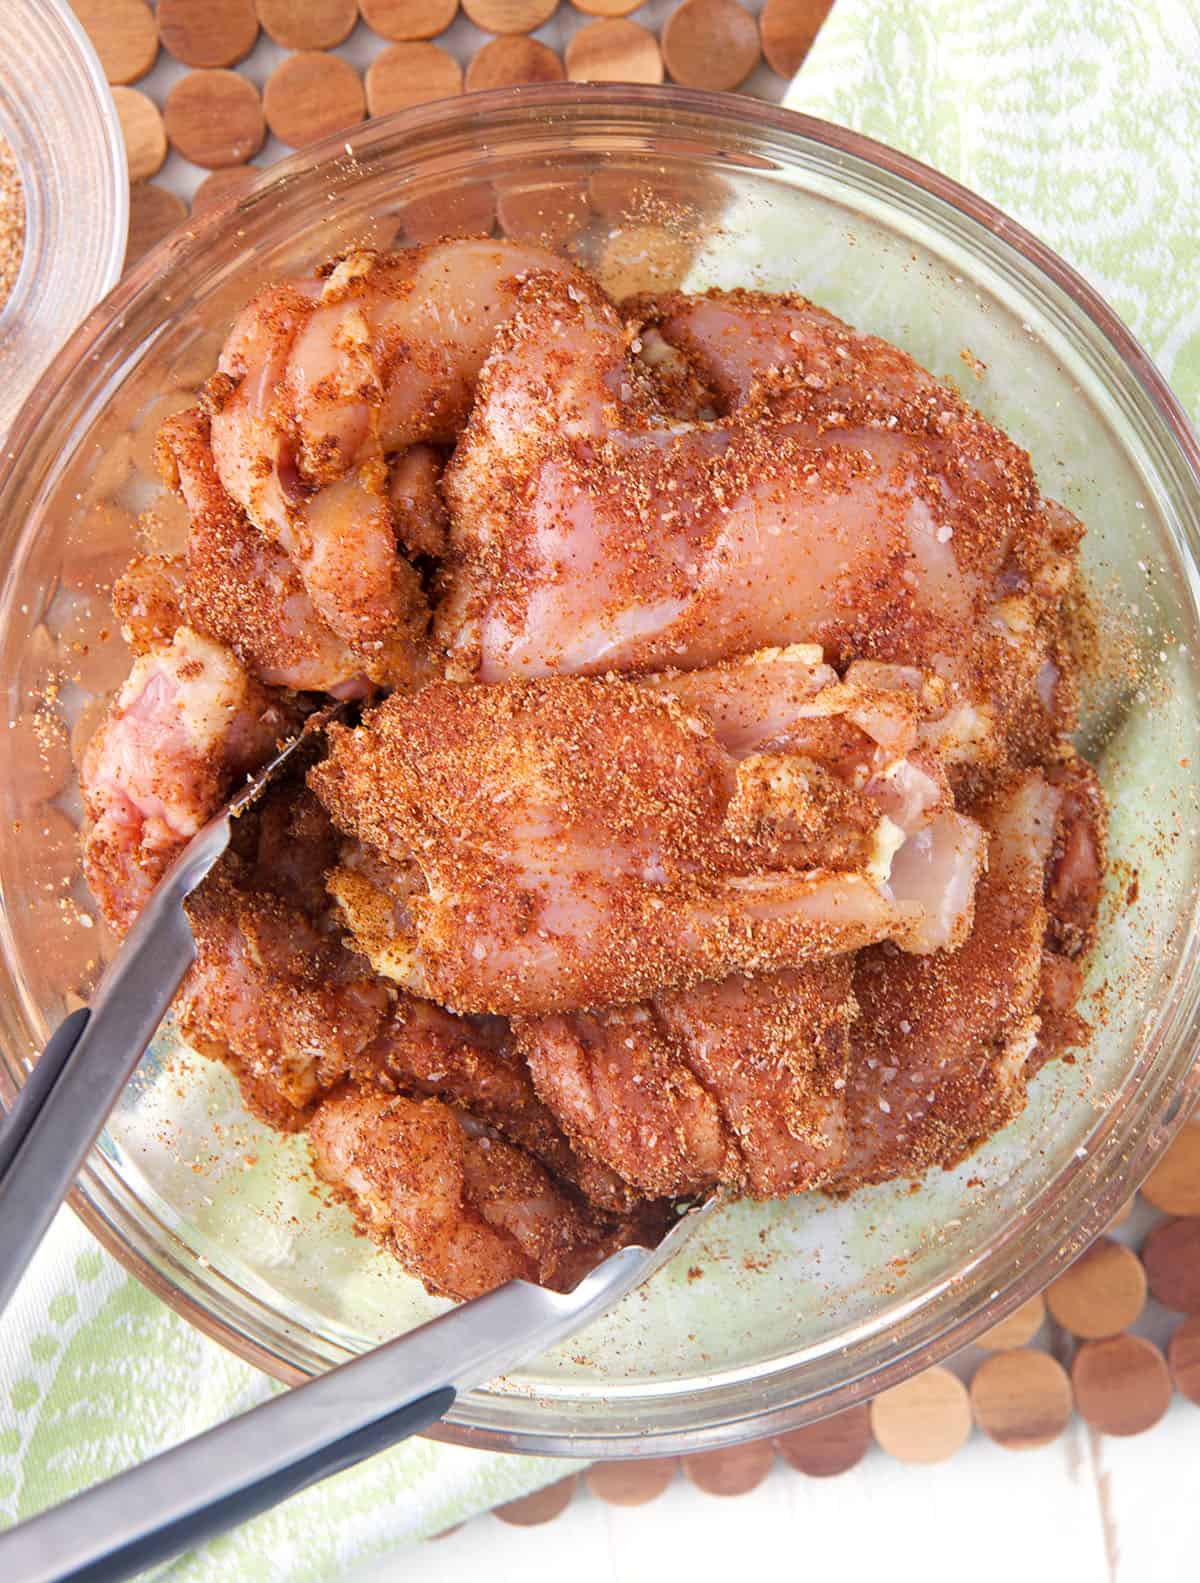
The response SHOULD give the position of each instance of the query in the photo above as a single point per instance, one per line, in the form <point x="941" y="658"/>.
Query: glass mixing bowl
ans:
<point x="783" y="1312"/>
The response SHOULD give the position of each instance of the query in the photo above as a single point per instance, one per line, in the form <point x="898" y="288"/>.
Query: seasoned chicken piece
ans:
<point x="940" y="1050"/>
<point x="414" y="489"/>
<point x="592" y="531"/>
<point x="740" y="1082"/>
<point x="321" y="382"/>
<point x="1074" y="877"/>
<point x="784" y="359"/>
<point x="473" y="1063"/>
<point x="240" y="588"/>
<point x="462" y="1210"/>
<point x="581" y="842"/>
<point x="287" y="1008"/>
<point x="185" y="725"/>
<point x="785" y="354"/>
<point x="147" y="600"/>
<point x="274" y="992"/>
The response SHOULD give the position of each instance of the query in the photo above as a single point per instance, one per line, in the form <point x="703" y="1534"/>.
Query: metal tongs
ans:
<point x="241" y="1468"/>
<point x="244" y="1467"/>
<point x="92" y="1054"/>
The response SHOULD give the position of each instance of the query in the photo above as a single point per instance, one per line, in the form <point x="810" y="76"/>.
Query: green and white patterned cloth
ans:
<point x="96" y="1375"/>
<point x="1081" y="118"/>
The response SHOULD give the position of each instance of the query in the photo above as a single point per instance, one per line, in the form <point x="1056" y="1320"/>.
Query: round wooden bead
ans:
<point x="924" y="1420"/>
<point x="631" y="1483"/>
<point x="548" y="215"/>
<point x="1020" y="1326"/>
<point x="145" y="435"/>
<point x="1103" y="1292"/>
<point x="606" y="7"/>
<point x="1021" y="1398"/>
<point x="39" y="756"/>
<point x="403" y="20"/>
<point x="310" y="95"/>
<point x="833" y="1446"/>
<point x="640" y="258"/>
<point x="1174" y="1184"/>
<point x="123" y="35"/>
<point x="153" y="212"/>
<point x="207" y="32"/>
<point x="90" y="647"/>
<point x="622" y="193"/>
<point x="509" y="16"/>
<point x="215" y="119"/>
<point x="1171" y="1255"/>
<point x="142" y="132"/>
<point x="112" y="464"/>
<point x="710" y="44"/>
<point x="39" y="656"/>
<point x="99" y="546"/>
<point x="506" y="61"/>
<point x="1122" y="1214"/>
<point x="57" y="843"/>
<point x="224" y="186"/>
<point x="788" y="30"/>
<point x="731" y="1470"/>
<point x="615" y="50"/>
<point x="408" y="74"/>
<point x="467" y="210"/>
<point x="540" y="1507"/>
<point x="308" y="24"/>
<point x="1122" y="1384"/>
<point x="1183" y="1355"/>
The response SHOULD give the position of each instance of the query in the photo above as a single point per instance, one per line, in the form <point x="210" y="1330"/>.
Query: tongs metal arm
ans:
<point x="242" y="1468"/>
<point x="88" y="1060"/>
<point x="80" y="1075"/>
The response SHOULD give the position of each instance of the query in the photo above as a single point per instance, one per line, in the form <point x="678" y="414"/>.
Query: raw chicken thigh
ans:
<point x="560" y="844"/>
<point x="711" y="821"/>
<point x="842" y="498"/>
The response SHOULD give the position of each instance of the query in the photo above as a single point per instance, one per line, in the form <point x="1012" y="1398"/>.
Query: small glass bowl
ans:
<point x="783" y="1312"/>
<point x="57" y="115"/>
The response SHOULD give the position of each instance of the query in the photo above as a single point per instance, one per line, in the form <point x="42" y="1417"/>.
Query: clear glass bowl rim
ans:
<point x="1119" y="1160"/>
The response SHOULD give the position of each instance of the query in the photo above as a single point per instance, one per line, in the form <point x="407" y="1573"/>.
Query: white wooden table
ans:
<point x="1083" y="1510"/>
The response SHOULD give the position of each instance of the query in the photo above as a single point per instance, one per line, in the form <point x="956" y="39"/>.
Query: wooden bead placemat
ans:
<point x="223" y="84"/>
<point x="1069" y="1355"/>
<point x="210" y="91"/>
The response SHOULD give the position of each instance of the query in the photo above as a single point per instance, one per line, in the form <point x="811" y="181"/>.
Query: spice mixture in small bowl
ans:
<point x="64" y="193"/>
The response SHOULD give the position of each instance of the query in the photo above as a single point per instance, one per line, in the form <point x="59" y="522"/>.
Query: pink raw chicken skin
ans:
<point x="722" y="828"/>
<point x="873" y="514"/>
<point x="320" y="382"/>
<point x="571" y="842"/>
<point x="740" y="1082"/>
<point x="941" y="1048"/>
<point x="185" y="725"/>
<point x="241" y="588"/>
